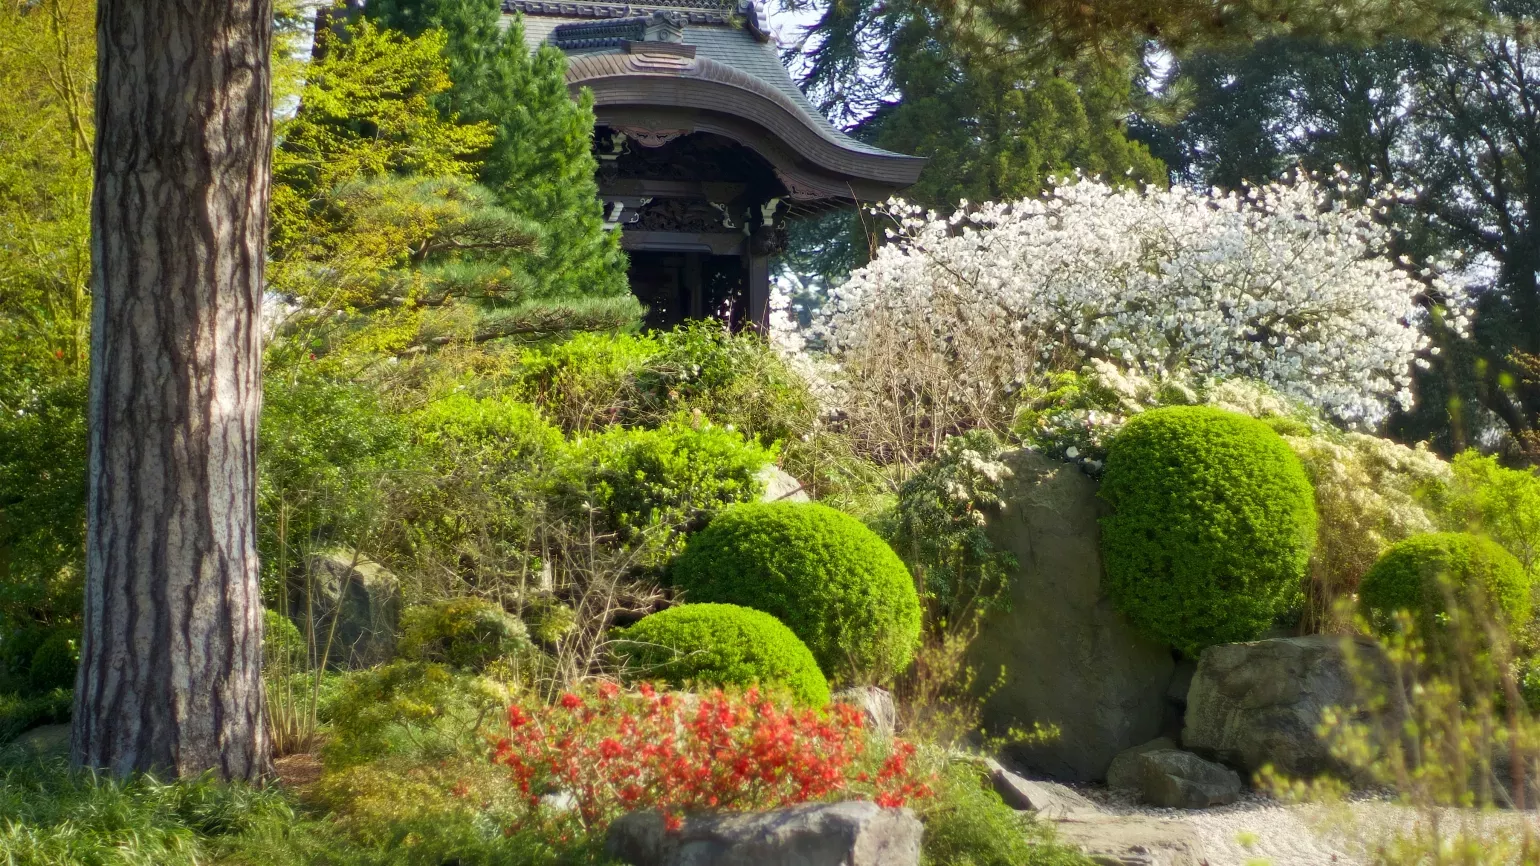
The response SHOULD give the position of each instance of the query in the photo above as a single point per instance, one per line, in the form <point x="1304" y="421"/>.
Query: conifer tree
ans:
<point x="540" y="164"/>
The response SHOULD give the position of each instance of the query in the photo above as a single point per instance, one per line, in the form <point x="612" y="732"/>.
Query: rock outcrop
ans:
<point x="1069" y="658"/>
<point x="852" y="833"/>
<point x="1051" y="801"/>
<point x="1123" y="775"/>
<point x="364" y="597"/>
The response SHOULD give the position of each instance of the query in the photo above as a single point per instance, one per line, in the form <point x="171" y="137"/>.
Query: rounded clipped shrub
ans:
<point x="465" y="633"/>
<point x="825" y="575"/>
<point x="1212" y="524"/>
<point x="55" y="662"/>
<point x="1422" y="574"/>
<point x="722" y="644"/>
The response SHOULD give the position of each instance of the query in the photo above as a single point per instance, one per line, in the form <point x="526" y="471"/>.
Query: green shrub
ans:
<point x="283" y="647"/>
<point x="669" y="480"/>
<point x="940" y="530"/>
<point x="1212" y="525"/>
<point x="1421" y="574"/>
<point x="466" y="633"/>
<point x="833" y="581"/>
<point x="420" y="709"/>
<point x="738" y="380"/>
<point x="967" y="824"/>
<point x="42" y="519"/>
<point x="587" y="382"/>
<point x="55" y="662"/>
<point x="22" y="713"/>
<point x="498" y="427"/>
<point x="1493" y="500"/>
<point x="722" y="644"/>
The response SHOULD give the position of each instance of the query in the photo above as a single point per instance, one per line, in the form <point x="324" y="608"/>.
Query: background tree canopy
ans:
<point x="1452" y="128"/>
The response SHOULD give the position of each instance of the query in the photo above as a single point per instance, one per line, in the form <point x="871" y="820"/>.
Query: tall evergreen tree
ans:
<point x="540" y="163"/>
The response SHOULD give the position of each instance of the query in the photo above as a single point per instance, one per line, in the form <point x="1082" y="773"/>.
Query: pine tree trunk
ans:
<point x="170" y="676"/>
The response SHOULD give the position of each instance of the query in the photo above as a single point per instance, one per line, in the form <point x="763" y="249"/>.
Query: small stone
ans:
<point x="1123" y="775"/>
<point x="1049" y="800"/>
<point x="781" y="486"/>
<point x="1181" y="780"/>
<point x="852" y="833"/>
<point x="875" y="704"/>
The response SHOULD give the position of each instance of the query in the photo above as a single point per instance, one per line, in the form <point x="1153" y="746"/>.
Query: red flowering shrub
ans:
<point x="615" y="753"/>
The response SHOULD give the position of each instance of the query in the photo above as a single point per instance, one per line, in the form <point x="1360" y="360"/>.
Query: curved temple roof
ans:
<point x="659" y="70"/>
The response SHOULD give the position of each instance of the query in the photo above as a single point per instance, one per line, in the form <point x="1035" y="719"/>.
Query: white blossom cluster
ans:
<point x="1285" y="285"/>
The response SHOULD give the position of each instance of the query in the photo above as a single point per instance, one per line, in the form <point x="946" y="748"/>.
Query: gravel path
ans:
<point x="1259" y="830"/>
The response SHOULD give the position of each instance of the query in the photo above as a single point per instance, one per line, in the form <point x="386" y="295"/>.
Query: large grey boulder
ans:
<point x="1260" y="703"/>
<point x="1110" y="840"/>
<point x="853" y="833"/>
<point x="363" y="597"/>
<point x="1181" y="780"/>
<point x="1069" y="658"/>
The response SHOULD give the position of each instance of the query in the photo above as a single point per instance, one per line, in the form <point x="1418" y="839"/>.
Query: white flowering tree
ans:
<point x="1286" y="285"/>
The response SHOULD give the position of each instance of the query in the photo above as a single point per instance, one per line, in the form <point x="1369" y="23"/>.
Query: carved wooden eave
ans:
<point x="653" y="98"/>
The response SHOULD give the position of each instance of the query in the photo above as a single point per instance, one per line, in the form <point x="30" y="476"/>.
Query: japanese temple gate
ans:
<point x="706" y="147"/>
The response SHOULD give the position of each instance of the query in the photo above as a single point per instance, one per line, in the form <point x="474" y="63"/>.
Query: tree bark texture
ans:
<point x="170" y="676"/>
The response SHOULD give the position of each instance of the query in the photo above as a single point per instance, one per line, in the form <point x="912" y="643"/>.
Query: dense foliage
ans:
<point x="1447" y="574"/>
<point x="723" y="645"/>
<point x="1211" y="529"/>
<point x="539" y="162"/>
<point x="670" y="479"/>
<point x="740" y="751"/>
<point x="940" y="530"/>
<point x="838" y="585"/>
<point x="466" y="633"/>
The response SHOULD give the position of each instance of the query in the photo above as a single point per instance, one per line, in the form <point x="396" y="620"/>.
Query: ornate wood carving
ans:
<point x="651" y="137"/>
<point x="680" y="215"/>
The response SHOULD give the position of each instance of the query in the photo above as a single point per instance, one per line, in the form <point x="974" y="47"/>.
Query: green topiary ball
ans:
<point x="1423" y="572"/>
<point x="723" y="644"/>
<point x="467" y="633"/>
<point x="824" y="574"/>
<point x="1212" y="524"/>
<point x="55" y="662"/>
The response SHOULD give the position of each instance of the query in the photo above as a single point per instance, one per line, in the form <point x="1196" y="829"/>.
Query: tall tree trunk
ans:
<point x="170" y="675"/>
